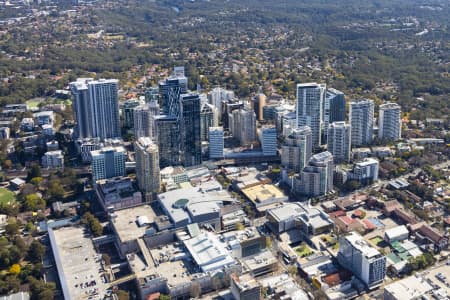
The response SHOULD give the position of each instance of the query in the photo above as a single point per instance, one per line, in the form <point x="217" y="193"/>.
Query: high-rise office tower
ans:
<point x="108" y="162"/>
<point x="144" y="119"/>
<point x="338" y="141"/>
<point x="128" y="112"/>
<point x="168" y="140"/>
<point x="104" y="99"/>
<point x="310" y="99"/>
<point x="82" y="108"/>
<point x="333" y="108"/>
<point x="243" y="126"/>
<point x="208" y="118"/>
<point x="170" y="91"/>
<point x="216" y="143"/>
<point x="268" y="140"/>
<point x="390" y="122"/>
<point x="151" y="94"/>
<point x="365" y="261"/>
<point x="361" y="122"/>
<point x="191" y="147"/>
<point x="317" y="177"/>
<point x="147" y="167"/>
<point x="297" y="148"/>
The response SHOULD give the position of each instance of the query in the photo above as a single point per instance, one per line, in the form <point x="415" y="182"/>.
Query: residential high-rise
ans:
<point x="296" y="149"/>
<point x="108" y="162"/>
<point x="310" y="99"/>
<point x="104" y="99"/>
<point x="268" y="139"/>
<point x="361" y="122"/>
<point x="147" y="167"/>
<point x="144" y="119"/>
<point x="208" y="118"/>
<point x="168" y="140"/>
<point x="216" y="143"/>
<point x="338" y="141"/>
<point x="219" y="95"/>
<point x="390" y="122"/>
<point x="191" y="147"/>
<point x="258" y="105"/>
<point x="365" y="171"/>
<point x="243" y="126"/>
<point x="227" y="110"/>
<point x="82" y="108"/>
<point x="333" y="108"/>
<point x="316" y="178"/>
<point x="128" y="112"/>
<point x="53" y="159"/>
<point x="365" y="261"/>
<point x="96" y="106"/>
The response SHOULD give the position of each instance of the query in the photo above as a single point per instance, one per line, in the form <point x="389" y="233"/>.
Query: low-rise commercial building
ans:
<point x="118" y="193"/>
<point x="295" y="215"/>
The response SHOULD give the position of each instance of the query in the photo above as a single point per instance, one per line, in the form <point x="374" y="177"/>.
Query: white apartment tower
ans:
<point x="361" y="122"/>
<point x="310" y="101"/>
<point x="243" y="126"/>
<point x="108" y="162"/>
<point x="144" y="120"/>
<point x="316" y="178"/>
<point x="297" y="148"/>
<point x="147" y="167"/>
<point x="338" y="141"/>
<point x="390" y="123"/>
<point x="358" y="256"/>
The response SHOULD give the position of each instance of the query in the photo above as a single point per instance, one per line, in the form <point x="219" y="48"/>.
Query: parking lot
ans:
<point x="445" y="271"/>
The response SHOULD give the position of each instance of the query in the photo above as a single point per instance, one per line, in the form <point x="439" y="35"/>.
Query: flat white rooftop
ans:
<point x="79" y="265"/>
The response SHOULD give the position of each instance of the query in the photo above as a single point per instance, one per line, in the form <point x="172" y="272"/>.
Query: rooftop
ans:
<point x="361" y="245"/>
<point x="208" y="252"/>
<point x="183" y="204"/>
<point x="259" y="194"/>
<point x="125" y="222"/>
<point x="79" y="265"/>
<point x="408" y="288"/>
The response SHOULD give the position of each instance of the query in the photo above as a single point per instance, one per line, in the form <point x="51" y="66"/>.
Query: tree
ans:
<point x="55" y="190"/>
<point x="34" y="171"/>
<point x="36" y="181"/>
<point x="93" y="224"/>
<point x="292" y="270"/>
<point x="33" y="202"/>
<point x="20" y="244"/>
<point x="12" y="228"/>
<point x="7" y="164"/>
<point x="239" y="226"/>
<point x="15" y="269"/>
<point x="36" y="252"/>
<point x="41" y="290"/>
<point x="122" y="295"/>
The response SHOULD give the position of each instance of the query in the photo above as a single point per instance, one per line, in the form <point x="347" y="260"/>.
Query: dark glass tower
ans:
<point x="191" y="149"/>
